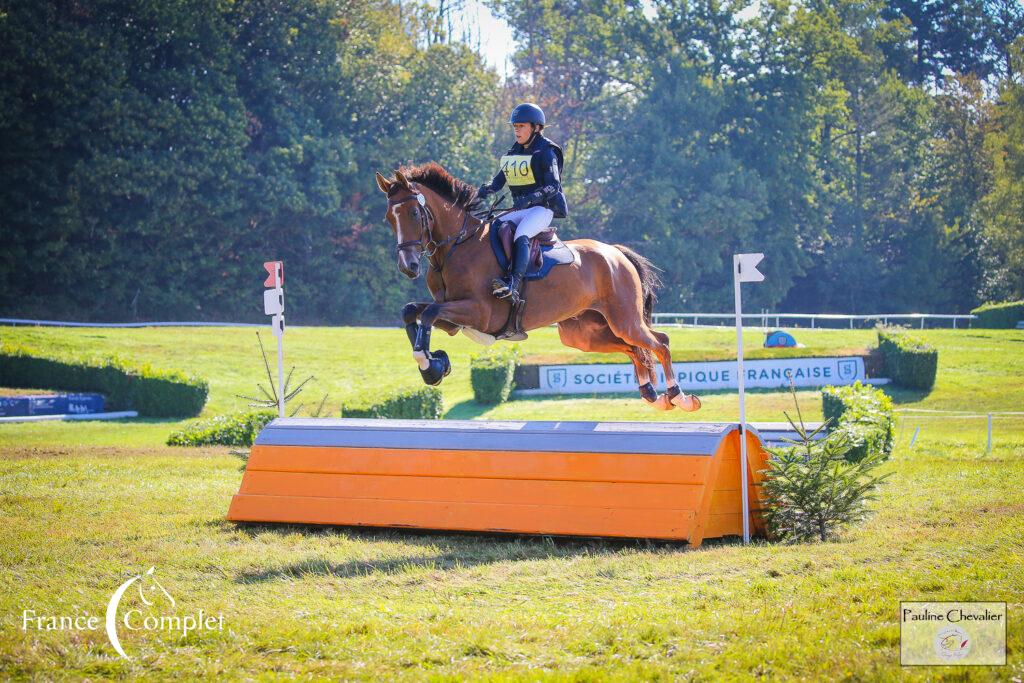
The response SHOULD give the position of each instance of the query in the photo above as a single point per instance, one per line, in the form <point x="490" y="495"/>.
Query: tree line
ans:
<point x="154" y="153"/>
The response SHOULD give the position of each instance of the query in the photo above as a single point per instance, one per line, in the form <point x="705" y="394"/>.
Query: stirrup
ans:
<point x="512" y="290"/>
<point x="501" y="288"/>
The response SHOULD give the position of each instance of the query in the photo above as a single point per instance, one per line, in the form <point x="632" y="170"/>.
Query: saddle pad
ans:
<point x="557" y="253"/>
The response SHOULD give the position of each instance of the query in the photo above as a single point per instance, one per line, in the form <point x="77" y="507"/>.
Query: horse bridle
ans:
<point x="430" y="246"/>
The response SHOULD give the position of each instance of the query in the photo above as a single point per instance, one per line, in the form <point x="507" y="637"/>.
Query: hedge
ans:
<point x="864" y="414"/>
<point x="491" y="375"/>
<point x="151" y="392"/>
<point x="910" y="362"/>
<point x="999" y="316"/>
<point x="239" y="429"/>
<point x="425" y="403"/>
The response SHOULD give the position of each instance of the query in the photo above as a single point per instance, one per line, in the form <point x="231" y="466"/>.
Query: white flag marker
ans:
<point x="744" y="269"/>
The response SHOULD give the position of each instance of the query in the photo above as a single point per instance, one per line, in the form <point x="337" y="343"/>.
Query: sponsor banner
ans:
<point x="768" y="374"/>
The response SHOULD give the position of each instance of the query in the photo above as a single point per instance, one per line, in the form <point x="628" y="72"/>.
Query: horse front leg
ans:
<point x="433" y="367"/>
<point x="448" y="315"/>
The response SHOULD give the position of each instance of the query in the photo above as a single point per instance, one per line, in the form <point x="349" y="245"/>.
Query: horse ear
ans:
<point x="400" y="177"/>
<point x="383" y="183"/>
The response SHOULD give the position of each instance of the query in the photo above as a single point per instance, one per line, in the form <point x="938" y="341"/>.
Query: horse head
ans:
<point x="408" y="215"/>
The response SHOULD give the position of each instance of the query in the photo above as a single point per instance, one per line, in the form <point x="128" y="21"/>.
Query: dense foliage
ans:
<point x="239" y="429"/>
<point x="149" y="391"/>
<point x="154" y="153"/>
<point x="491" y="373"/>
<point x="1001" y="316"/>
<point x="863" y="415"/>
<point x="910" y="362"/>
<point x="425" y="403"/>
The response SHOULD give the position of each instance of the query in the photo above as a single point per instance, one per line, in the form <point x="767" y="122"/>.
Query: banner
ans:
<point x="765" y="374"/>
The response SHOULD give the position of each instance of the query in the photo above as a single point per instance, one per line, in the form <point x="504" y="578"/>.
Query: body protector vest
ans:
<point x="533" y="175"/>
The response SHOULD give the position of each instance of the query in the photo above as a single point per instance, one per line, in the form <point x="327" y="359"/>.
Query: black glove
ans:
<point x="484" y="192"/>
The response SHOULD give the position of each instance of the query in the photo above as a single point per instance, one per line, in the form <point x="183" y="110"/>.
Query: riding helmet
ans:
<point x="527" y="113"/>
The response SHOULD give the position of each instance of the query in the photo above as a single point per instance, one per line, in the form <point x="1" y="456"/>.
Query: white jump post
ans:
<point x="744" y="269"/>
<point x="273" y="304"/>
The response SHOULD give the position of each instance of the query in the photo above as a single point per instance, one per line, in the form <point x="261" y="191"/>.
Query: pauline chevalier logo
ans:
<point x="952" y="643"/>
<point x="953" y="633"/>
<point x="155" y="610"/>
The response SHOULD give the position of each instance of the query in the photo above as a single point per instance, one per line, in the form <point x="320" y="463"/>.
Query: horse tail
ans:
<point x="649" y="279"/>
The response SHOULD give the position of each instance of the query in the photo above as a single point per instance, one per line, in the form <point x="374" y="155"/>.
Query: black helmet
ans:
<point x="527" y="113"/>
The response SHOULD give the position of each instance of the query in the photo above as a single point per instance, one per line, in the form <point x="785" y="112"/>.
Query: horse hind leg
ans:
<point x="589" y="331"/>
<point x="631" y="327"/>
<point x="643" y="361"/>
<point x="686" y="402"/>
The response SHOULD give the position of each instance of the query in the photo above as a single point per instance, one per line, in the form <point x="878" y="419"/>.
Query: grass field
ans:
<point x="87" y="506"/>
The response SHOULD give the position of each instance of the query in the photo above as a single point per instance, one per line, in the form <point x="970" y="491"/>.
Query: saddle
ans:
<point x="546" y="252"/>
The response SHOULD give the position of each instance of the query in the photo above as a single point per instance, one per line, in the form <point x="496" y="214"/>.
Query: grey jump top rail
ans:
<point x="658" y="438"/>
<point x="28" y="322"/>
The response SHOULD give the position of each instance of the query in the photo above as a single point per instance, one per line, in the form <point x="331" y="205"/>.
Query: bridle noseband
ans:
<point x="431" y="246"/>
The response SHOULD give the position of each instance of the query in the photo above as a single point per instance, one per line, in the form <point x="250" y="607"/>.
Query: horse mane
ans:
<point x="434" y="176"/>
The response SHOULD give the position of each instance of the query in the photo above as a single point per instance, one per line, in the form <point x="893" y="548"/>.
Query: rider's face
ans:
<point x="523" y="132"/>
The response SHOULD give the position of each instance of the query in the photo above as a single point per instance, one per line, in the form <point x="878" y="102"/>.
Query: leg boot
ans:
<point x="505" y="289"/>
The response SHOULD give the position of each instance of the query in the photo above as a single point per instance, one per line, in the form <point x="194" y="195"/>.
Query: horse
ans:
<point x="601" y="302"/>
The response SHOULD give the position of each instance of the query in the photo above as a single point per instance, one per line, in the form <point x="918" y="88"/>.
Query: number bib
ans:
<point x="517" y="169"/>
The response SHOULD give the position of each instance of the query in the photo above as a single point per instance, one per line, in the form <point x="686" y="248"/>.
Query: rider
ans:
<point x="531" y="169"/>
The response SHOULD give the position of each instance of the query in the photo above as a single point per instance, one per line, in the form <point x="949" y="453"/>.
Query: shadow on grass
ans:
<point x="903" y="396"/>
<point x="448" y="550"/>
<point x="466" y="410"/>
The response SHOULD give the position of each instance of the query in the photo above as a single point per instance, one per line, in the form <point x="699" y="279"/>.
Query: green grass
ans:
<point x="978" y="370"/>
<point x="87" y="505"/>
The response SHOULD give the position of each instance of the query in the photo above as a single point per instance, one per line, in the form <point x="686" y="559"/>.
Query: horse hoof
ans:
<point x="444" y="359"/>
<point x="438" y="368"/>
<point x="663" y="403"/>
<point x="687" y="402"/>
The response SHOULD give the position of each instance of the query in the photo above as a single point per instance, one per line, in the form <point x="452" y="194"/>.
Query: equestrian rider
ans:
<point x="531" y="169"/>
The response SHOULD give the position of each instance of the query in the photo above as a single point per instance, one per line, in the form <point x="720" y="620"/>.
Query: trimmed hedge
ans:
<point x="425" y="403"/>
<point x="239" y="429"/>
<point x="911" y="363"/>
<point x="491" y="375"/>
<point x="151" y="392"/>
<point x="999" y="316"/>
<point x="864" y="414"/>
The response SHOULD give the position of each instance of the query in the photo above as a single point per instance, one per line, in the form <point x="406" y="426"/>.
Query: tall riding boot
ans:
<point x="510" y="288"/>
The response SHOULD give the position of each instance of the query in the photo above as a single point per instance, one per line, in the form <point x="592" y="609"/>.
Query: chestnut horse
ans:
<point x="602" y="302"/>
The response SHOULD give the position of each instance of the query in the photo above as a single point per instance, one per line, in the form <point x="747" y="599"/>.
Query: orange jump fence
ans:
<point x="678" y="481"/>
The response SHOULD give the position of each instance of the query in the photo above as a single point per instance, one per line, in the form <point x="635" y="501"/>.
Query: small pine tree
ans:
<point x="812" y="490"/>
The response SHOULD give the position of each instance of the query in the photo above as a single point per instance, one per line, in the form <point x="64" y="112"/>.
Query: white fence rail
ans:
<point x="766" y="318"/>
<point x="945" y="415"/>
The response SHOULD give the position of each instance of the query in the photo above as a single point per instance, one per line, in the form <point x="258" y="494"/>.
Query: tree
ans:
<point x="121" y="133"/>
<point x="1002" y="209"/>
<point x="946" y="37"/>
<point x="955" y="174"/>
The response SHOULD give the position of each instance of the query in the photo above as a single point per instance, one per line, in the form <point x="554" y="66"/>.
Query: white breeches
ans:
<point x="530" y="221"/>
